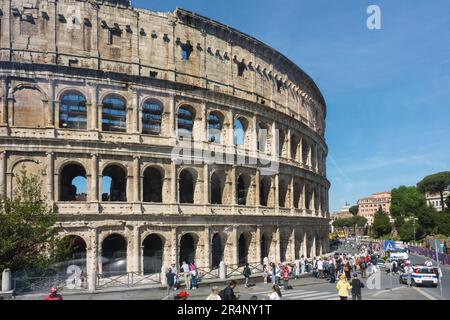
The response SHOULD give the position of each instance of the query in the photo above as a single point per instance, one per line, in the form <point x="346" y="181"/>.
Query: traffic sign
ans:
<point x="389" y="245"/>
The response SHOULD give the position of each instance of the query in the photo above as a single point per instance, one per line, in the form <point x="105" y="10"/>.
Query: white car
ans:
<point x="421" y="275"/>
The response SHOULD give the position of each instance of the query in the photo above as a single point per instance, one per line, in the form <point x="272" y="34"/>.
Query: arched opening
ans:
<point x="73" y="183"/>
<point x="73" y="111"/>
<point x="305" y="152"/>
<point x="284" y="243"/>
<point x="114" y="184"/>
<point x="114" y="255"/>
<point x="266" y="240"/>
<point x="153" y="250"/>
<point x="297" y="195"/>
<point x="308" y="195"/>
<point x="243" y="186"/>
<point x="215" y="124"/>
<point x="188" y="246"/>
<point x="185" y="122"/>
<point x="151" y="117"/>
<point x="294" y="147"/>
<point x="186" y="187"/>
<point x="240" y="132"/>
<point x="217" y="249"/>
<point x="153" y="183"/>
<point x="244" y="245"/>
<point x="281" y="143"/>
<point x="114" y="114"/>
<point x="76" y="248"/>
<point x="217" y="187"/>
<point x="298" y="243"/>
<point x="282" y="192"/>
<point x="263" y="143"/>
<point x="265" y="184"/>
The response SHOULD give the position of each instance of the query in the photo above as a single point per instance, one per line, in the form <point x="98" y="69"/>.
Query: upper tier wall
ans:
<point x="119" y="38"/>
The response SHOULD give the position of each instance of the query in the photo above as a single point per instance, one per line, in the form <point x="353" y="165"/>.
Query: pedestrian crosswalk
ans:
<point x="300" y="294"/>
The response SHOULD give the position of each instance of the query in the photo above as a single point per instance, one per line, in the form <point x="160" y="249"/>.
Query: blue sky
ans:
<point x="387" y="91"/>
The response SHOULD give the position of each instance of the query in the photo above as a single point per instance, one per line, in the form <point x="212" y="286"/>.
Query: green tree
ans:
<point x="28" y="237"/>
<point x="435" y="183"/>
<point x="381" y="224"/>
<point x="354" y="210"/>
<point x="343" y="223"/>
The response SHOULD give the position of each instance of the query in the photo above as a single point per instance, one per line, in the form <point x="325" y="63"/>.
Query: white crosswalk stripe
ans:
<point x="302" y="295"/>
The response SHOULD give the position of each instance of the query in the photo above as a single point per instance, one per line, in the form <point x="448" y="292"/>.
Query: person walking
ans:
<point x="176" y="280"/>
<point x="347" y="270"/>
<point x="170" y="277"/>
<point x="285" y="277"/>
<point x="320" y="268"/>
<point x="277" y="274"/>
<point x="265" y="274"/>
<point x="186" y="275"/>
<point x="343" y="286"/>
<point x="357" y="285"/>
<point x="214" y="294"/>
<point x="409" y="271"/>
<point x="302" y="264"/>
<point x="247" y="272"/>
<point x="194" y="275"/>
<point x="276" y="294"/>
<point x="332" y="273"/>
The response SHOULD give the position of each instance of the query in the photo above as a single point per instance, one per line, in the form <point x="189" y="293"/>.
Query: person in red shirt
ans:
<point x="54" y="295"/>
<point x="285" y="277"/>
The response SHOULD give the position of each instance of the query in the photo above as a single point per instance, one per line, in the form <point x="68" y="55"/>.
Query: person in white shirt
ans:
<point x="186" y="274"/>
<point x="276" y="294"/>
<point x="214" y="294"/>
<point x="320" y="268"/>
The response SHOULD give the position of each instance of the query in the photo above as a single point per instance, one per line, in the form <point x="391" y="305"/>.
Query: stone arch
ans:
<point x="114" y="113"/>
<point x="243" y="185"/>
<point x="153" y="253"/>
<point x="186" y="117"/>
<point x="114" y="255"/>
<point x="188" y="247"/>
<point x="217" y="185"/>
<point x="114" y="183"/>
<point x="265" y="186"/>
<point x="283" y="187"/>
<point x="187" y="183"/>
<point x="266" y="245"/>
<point x="77" y="250"/>
<point x="72" y="110"/>
<point x="218" y="244"/>
<point x="72" y="182"/>
<point x="153" y="179"/>
<point x="297" y="194"/>
<point x="295" y="141"/>
<point x="215" y="127"/>
<point x="152" y="116"/>
<point x="244" y="243"/>
<point x="31" y="166"/>
<point x="264" y="137"/>
<point x="282" y="143"/>
<point x="29" y="106"/>
<point x="242" y="135"/>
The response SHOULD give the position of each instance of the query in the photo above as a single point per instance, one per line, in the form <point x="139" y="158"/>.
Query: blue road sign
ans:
<point x="389" y="245"/>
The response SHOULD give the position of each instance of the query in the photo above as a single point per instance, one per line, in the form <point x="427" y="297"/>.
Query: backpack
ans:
<point x="363" y="265"/>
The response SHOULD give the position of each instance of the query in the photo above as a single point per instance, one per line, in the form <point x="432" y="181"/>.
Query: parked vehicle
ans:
<point x="422" y="275"/>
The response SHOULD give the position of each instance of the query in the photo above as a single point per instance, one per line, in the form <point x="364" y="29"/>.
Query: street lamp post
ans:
<point x="414" y="226"/>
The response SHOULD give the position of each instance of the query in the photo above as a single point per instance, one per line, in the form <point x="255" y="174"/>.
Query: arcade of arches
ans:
<point x="146" y="250"/>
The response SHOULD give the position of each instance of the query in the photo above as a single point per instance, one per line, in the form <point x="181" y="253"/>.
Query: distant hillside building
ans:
<point x="370" y="205"/>
<point x="434" y="200"/>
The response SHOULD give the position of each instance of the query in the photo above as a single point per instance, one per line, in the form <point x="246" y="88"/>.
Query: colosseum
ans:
<point x="162" y="137"/>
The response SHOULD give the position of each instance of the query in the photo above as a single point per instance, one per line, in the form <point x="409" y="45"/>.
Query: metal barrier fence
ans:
<point x="128" y="279"/>
<point x="27" y="285"/>
<point x="430" y="253"/>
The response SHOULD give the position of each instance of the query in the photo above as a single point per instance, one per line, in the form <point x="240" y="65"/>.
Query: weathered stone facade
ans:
<point x="83" y="81"/>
